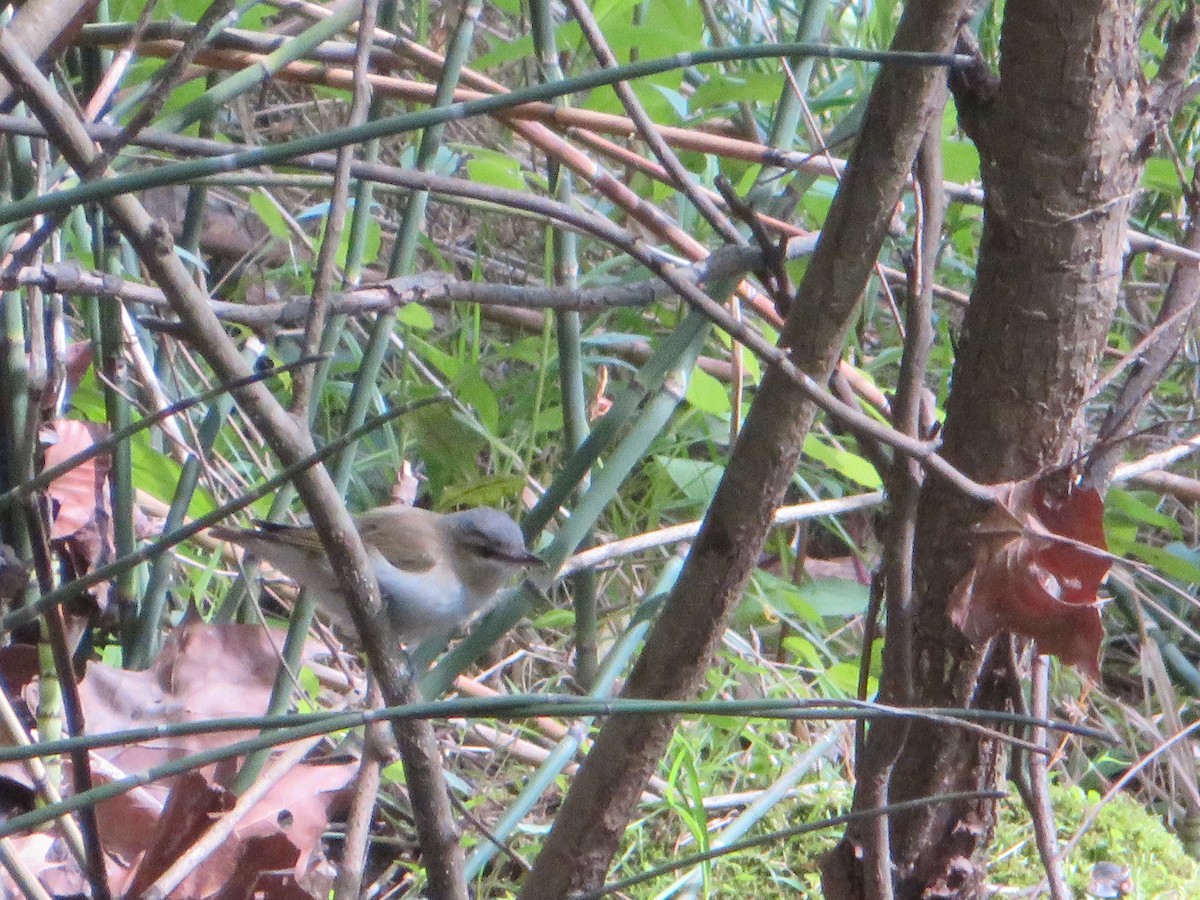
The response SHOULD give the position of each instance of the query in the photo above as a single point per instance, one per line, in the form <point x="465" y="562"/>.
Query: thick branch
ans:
<point x="680" y="647"/>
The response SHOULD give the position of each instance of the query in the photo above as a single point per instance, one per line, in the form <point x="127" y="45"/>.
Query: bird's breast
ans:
<point x="421" y="604"/>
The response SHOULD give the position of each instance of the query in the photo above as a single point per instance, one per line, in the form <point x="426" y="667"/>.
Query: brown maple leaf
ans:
<point x="1040" y="557"/>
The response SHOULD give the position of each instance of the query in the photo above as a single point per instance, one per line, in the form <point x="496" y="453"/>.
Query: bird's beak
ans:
<point x="530" y="559"/>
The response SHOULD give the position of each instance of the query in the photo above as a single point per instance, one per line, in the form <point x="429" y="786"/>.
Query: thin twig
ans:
<point x="648" y="131"/>
<point x="686" y="531"/>
<point x="335" y="219"/>
<point x="348" y="885"/>
<point x="1041" y="810"/>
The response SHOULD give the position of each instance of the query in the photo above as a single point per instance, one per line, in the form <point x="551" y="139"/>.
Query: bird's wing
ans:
<point x="269" y="534"/>
<point x="407" y="537"/>
<point x="383" y="528"/>
<point x="300" y="536"/>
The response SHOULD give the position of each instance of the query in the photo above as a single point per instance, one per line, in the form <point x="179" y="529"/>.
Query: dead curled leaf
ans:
<point x="1035" y="574"/>
<point x="81" y="513"/>
<point x="205" y="671"/>
<point x="80" y="496"/>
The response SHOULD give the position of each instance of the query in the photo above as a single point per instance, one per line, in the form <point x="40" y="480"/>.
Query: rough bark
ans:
<point x="1062" y="134"/>
<point x="679" y="649"/>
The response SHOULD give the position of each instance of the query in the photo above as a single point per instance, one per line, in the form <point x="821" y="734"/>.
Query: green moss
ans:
<point x="1124" y="833"/>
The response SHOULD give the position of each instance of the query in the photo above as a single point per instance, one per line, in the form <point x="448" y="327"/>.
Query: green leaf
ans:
<point x="415" y="316"/>
<point x="393" y="773"/>
<point x="840" y="597"/>
<point x="448" y="446"/>
<point x="843" y="677"/>
<point x="818" y="198"/>
<point x="88" y="398"/>
<point x="448" y="365"/>
<point x="804" y="650"/>
<point x="1160" y="175"/>
<point x="269" y="214"/>
<point x="674" y="97"/>
<point x="815" y="598"/>
<point x="1121" y="535"/>
<point x="1128" y="505"/>
<point x="754" y="87"/>
<point x="1184" y="553"/>
<point x="847" y="464"/>
<point x="707" y="393"/>
<point x="158" y="475"/>
<point x="501" y="170"/>
<point x="696" y="478"/>
<point x="256" y="16"/>
<point x="664" y="19"/>
<point x="471" y="389"/>
<point x="1169" y="562"/>
<point x="370" y="247"/>
<point x="189" y="10"/>
<point x="781" y="597"/>
<point x="491" y="490"/>
<point x="555" y="620"/>
<point x="607" y="10"/>
<point x="960" y="161"/>
<point x="140" y="71"/>
<point x="653" y="93"/>
<point x="184" y="94"/>
<point x="549" y="419"/>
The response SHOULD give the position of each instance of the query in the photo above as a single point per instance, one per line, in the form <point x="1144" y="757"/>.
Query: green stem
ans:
<point x="565" y="752"/>
<point x="175" y="173"/>
<point x="653" y="406"/>
<point x="405" y="249"/>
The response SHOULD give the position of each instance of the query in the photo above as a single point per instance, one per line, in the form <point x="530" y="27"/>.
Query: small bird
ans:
<point x="435" y="570"/>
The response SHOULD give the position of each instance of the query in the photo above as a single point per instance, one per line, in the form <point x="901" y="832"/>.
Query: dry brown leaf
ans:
<point x="77" y="360"/>
<point x="189" y="811"/>
<point x="276" y="844"/>
<point x="407" y="486"/>
<point x="80" y="496"/>
<point x="298" y="806"/>
<point x="1034" y="574"/>
<point x="204" y="671"/>
<point x="263" y="872"/>
<point x="81" y="525"/>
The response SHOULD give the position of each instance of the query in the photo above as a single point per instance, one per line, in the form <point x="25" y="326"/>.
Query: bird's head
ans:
<point x="487" y="548"/>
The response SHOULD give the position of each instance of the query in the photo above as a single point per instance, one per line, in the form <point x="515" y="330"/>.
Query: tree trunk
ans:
<point x="1062" y="135"/>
